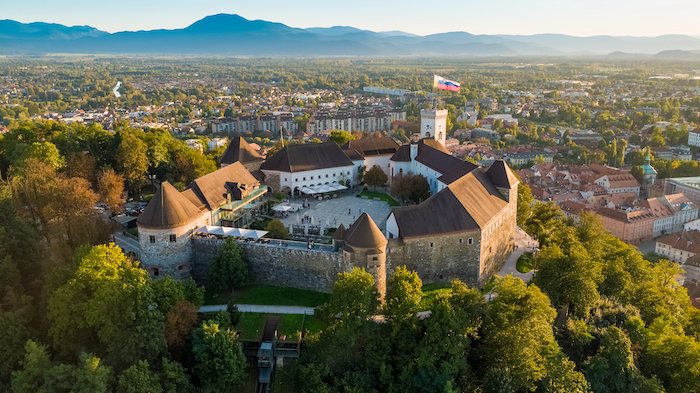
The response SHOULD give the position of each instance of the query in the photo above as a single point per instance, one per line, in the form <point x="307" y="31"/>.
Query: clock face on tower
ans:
<point x="428" y="126"/>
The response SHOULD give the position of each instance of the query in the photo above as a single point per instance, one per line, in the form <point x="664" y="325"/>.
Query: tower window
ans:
<point x="470" y="241"/>
<point x="460" y="241"/>
<point x="152" y="239"/>
<point x="173" y="238"/>
<point x="432" y="244"/>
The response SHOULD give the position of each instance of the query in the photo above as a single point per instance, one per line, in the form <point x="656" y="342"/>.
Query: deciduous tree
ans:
<point x="230" y="269"/>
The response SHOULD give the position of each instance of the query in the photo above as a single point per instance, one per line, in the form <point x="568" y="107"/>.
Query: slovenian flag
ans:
<point x="445" y="84"/>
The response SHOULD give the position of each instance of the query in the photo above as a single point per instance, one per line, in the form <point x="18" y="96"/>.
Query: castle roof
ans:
<point x="353" y="154"/>
<point x="211" y="189"/>
<point x="364" y="233"/>
<point x="239" y="150"/>
<point x="373" y="146"/>
<point x="403" y="154"/>
<point x="339" y="233"/>
<point x="307" y="157"/>
<point x="467" y="204"/>
<point x="431" y="142"/>
<point x="501" y="175"/>
<point x="167" y="209"/>
<point x="433" y="154"/>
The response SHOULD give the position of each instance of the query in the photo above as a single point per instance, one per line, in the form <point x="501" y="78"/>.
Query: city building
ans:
<point x="678" y="247"/>
<point x="694" y="137"/>
<point x="632" y="226"/>
<point x="224" y="197"/>
<point x="529" y="157"/>
<point x="295" y="167"/>
<point x="275" y="122"/>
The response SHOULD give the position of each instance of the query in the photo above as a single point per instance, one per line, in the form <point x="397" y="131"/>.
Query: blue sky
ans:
<point x="581" y="18"/>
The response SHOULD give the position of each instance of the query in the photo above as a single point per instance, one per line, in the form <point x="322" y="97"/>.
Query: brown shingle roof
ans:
<point x="167" y="209"/>
<point x="403" y="154"/>
<point x="431" y="142"/>
<point x="308" y="157"/>
<point x="437" y="159"/>
<point x="373" y="146"/>
<point x="353" y="154"/>
<point x="467" y="204"/>
<point x="457" y="172"/>
<point x="339" y="233"/>
<point x="240" y="150"/>
<point x="627" y="217"/>
<point x="364" y="233"/>
<point x="501" y="175"/>
<point x="211" y="189"/>
<point x="686" y="241"/>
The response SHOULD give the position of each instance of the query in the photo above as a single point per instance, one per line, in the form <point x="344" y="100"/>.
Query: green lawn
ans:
<point x="376" y="194"/>
<point x="290" y="326"/>
<point x="268" y="295"/>
<point x="313" y="324"/>
<point x="251" y="325"/>
<point x="524" y="263"/>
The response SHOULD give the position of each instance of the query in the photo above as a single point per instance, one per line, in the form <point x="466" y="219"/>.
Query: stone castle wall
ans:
<point x="271" y="264"/>
<point x="166" y="257"/>
<point x="438" y="258"/>
<point x="498" y="244"/>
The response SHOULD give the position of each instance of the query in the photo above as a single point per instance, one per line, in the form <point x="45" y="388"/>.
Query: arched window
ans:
<point x="427" y="135"/>
<point x="440" y="135"/>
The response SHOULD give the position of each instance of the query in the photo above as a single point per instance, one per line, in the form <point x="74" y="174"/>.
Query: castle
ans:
<point x="464" y="230"/>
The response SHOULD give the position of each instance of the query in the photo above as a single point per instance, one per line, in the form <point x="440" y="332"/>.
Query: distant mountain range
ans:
<point x="233" y="35"/>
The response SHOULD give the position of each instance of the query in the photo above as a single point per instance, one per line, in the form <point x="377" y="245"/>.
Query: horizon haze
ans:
<point x="509" y="17"/>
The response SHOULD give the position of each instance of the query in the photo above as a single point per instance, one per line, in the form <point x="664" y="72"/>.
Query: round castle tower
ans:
<point x="165" y="228"/>
<point x="365" y="247"/>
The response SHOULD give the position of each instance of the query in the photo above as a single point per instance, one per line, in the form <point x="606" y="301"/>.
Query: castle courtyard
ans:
<point x="333" y="212"/>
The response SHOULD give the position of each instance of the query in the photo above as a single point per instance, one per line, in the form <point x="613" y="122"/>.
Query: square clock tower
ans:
<point x="433" y="124"/>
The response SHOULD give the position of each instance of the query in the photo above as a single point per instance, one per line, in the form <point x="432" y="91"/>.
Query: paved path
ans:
<point x="126" y="243"/>
<point x="261" y="309"/>
<point x="524" y="243"/>
<point x="522" y="240"/>
<point x="333" y="212"/>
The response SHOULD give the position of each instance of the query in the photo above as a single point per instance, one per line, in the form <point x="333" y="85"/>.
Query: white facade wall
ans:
<point x="689" y="226"/>
<point x="315" y="177"/>
<point x="663" y="224"/>
<point x="673" y="254"/>
<point x="693" y="139"/>
<point x="383" y="162"/>
<point x="392" y="227"/>
<point x="683" y="216"/>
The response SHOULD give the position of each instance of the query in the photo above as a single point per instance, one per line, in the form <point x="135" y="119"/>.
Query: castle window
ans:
<point x="460" y="241"/>
<point x="285" y="179"/>
<point x="470" y="241"/>
<point x="334" y="175"/>
<point x="374" y="258"/>
<point x="326" y="175"/>
<point x="312" y="177"/>
<point x="432" y="244"/>
<point x="152" y="239"/>
<point x="173" y="238"/>
<point x="155" y="272"/>
<point x="304" y="179"/>
<point x="296" y="179"/>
